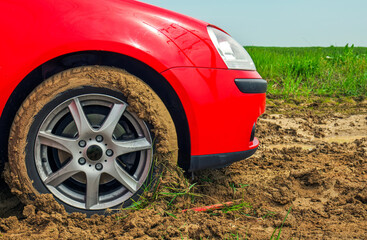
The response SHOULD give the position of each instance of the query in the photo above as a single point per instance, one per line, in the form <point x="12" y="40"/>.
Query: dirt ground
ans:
<point x="312" y="163"/>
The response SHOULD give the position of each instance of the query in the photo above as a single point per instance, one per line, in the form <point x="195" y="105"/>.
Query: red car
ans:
<point x="90" y="89"/>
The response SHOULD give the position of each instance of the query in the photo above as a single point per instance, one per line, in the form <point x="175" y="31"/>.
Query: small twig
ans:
<point x="209" y="208"/>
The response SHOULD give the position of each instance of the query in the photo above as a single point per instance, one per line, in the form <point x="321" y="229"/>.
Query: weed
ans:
<point x="232" y="185"/>
<point x="235" y="188"/>
<point x="206" y="179"/>
<point x="150" y="192"/>
<point x="237" y="207"/>
<point x="170" y="214"/>
<point x="269" y="214"/>
<point x="235" y="236"/>
<point x="273" y="237"/>
<point x="174" y="193"/>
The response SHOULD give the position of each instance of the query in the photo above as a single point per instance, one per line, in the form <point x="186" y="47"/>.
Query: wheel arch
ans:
<point x="151" y="77"/>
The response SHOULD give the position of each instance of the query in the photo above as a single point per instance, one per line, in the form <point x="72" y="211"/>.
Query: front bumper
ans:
<point x="222" y="107"/>
<point x="219" y="160"/>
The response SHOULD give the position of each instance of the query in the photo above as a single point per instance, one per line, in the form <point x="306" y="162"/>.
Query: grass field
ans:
<point x="331" y="71"/>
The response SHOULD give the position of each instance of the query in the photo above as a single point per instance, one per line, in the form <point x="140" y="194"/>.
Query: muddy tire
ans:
<point x="86" y="135"/>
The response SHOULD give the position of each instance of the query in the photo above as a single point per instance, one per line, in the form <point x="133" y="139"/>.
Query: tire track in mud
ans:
<point x="312" y="161"/>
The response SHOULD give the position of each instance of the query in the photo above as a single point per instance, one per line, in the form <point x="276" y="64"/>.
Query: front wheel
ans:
<point x="87" y="139"/>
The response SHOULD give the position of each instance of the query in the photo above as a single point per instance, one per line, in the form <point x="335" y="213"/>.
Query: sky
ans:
<point x="283" y="23"/>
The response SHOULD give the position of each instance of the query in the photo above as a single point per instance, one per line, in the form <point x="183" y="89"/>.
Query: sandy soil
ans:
<point x="312" y="161"/>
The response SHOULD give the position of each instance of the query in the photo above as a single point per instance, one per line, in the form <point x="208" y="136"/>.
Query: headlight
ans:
<point x="233" y="54"/>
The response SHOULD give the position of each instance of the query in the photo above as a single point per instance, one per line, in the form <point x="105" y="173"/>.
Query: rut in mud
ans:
<point x="312" y="160"/>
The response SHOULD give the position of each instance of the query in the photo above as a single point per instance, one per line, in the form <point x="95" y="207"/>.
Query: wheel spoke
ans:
<point x="58" y="142"/>
<point x="58" y="177"/>
<point x="113" y="118"/>
<point x="123" y="147"/>
<point x="79" y="117"/>
<point x="123" y="177"/>
<point x="92" y="194"/>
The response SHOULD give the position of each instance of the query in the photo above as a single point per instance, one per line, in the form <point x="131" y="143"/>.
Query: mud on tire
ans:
<point x="87" y="136"/>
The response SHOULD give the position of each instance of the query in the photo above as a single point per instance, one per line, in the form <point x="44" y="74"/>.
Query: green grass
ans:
<point x="173" y="192"/>
<point x="313" y="71"/>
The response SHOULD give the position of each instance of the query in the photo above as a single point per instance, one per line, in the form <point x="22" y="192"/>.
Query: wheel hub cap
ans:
<point x="94" y="152"/>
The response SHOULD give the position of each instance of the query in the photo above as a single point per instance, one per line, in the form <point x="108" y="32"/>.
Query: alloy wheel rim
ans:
<point x="93" y="159"/>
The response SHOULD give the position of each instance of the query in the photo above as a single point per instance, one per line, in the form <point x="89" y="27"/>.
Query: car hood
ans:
<point x="162" y="17"/>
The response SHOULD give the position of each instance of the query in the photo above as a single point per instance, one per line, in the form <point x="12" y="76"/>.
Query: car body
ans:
<point x="214" y="108"/>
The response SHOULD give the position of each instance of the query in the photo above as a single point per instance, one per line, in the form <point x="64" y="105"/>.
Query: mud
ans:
<point x="312" y="162"/>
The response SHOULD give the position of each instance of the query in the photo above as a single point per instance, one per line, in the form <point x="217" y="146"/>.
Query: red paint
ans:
<point x="220" y="116"/>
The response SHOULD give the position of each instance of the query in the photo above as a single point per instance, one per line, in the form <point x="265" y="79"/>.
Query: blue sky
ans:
<point x="281" y="22"/>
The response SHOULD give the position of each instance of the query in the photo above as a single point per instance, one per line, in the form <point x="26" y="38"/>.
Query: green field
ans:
<point x="313" y="71"/>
